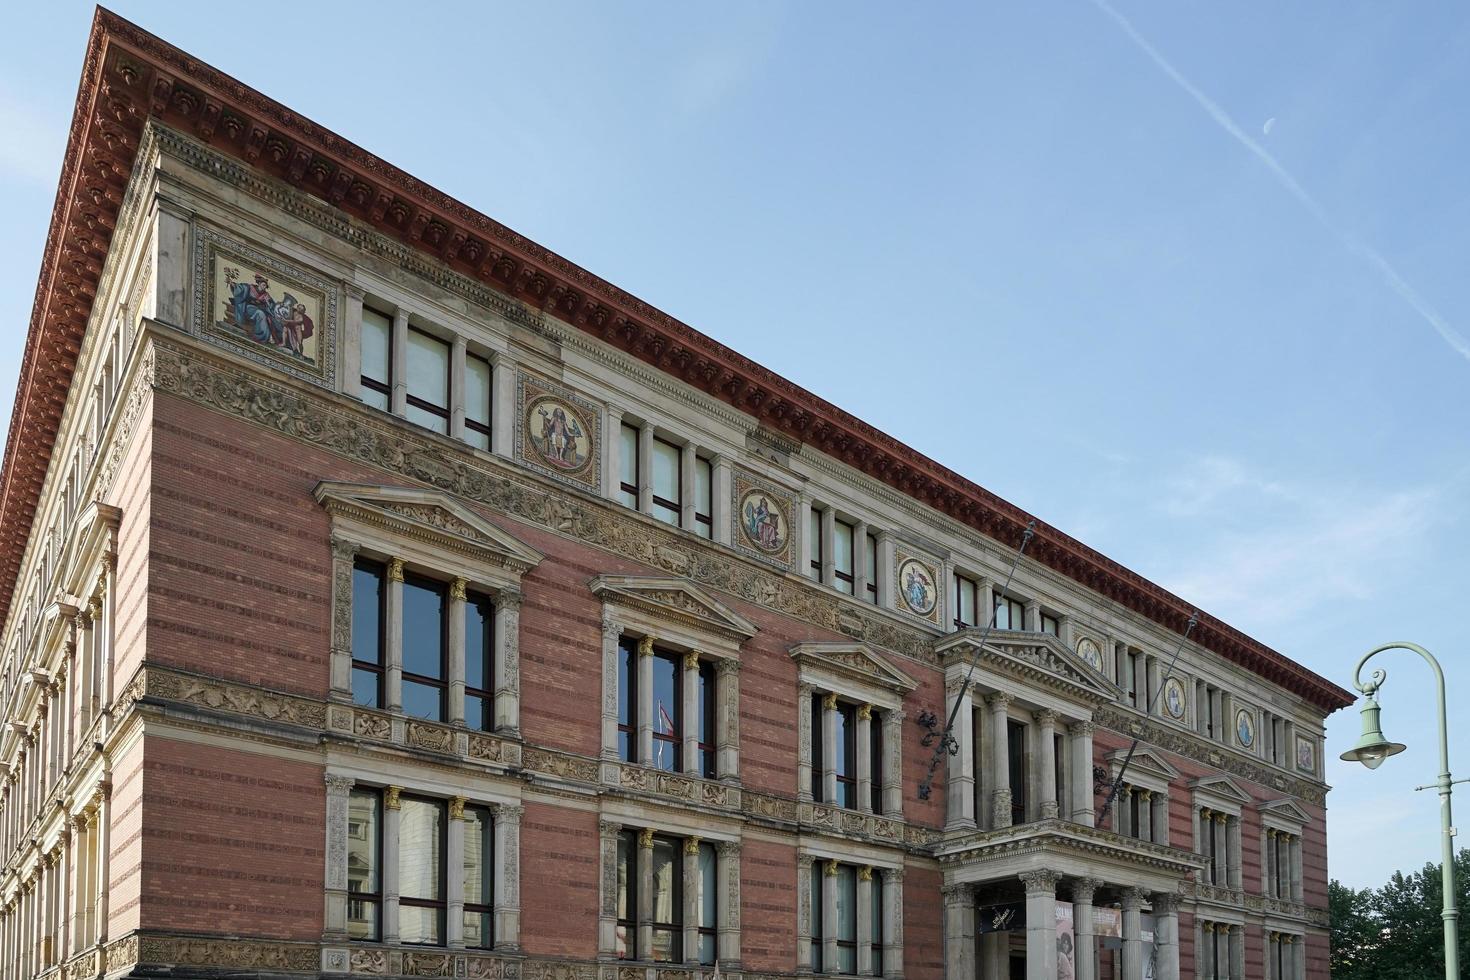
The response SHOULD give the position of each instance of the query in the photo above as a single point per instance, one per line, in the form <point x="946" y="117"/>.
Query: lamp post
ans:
<point x="1373" y="748"/>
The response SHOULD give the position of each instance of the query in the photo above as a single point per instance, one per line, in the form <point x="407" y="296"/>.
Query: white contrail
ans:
<point x="1390" y="275"/>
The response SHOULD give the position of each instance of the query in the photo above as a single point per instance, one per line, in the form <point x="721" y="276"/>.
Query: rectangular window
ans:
<point x="627" y="700"/>
<point x="704" y="521"/>
<point x="846" y="756"/>
<point x="842" y="556"/>
<point x="421" y="871"/>
<point x="1016" y="737"/>
<point x="819" y="868"/>
<point x="625" y="944"/>
<point x="873" y="571"/>
<point x="668" y="900"/>
<point x="1050" y="624"/>
<point x="668" y="720"/>
<point x="707" y="902"/>
<point x="428" y="381"/>
<point x="628" y="438"/>
<point x="479" y="663"/>
<point x="1010" y="614"/>
<point x="478" y="391"/>
<point x="966" y="595"/>
<point x="846" y="919"/>
<point x="377" y="358"/>
<point x="819" y="751"/>
<point x="364" y="858"/>
<point x="479" y="878"/>
<point x="875" y="760"/>
<point x="367" y="633"/>
<point x="425" y="646"/>
<point x="814" y="535"/>
<point x="705" y="699"/>
<point x="667" y="485"/>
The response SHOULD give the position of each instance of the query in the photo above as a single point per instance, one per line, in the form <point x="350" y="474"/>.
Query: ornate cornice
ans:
<point x="131" y="76"/>
<point x="1062" y="836"/>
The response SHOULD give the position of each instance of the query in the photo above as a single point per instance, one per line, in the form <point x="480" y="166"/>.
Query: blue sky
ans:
<point x="1054" y="245"/>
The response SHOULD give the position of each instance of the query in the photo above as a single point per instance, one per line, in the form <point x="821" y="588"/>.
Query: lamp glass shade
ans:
<point x="1372" y="747"/>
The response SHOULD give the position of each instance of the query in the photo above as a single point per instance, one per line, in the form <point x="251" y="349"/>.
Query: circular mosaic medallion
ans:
<point x="559" y="435"/>
<point x="1174" y="697"/>
<point x="1245" y="728"/>
<point x="916" y="585"/>
<point x="1088" y="650"/>
<point x="763" y="522"/>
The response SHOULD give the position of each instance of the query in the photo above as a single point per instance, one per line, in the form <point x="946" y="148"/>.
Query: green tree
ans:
<point x="1355" y="931"/>
<point x="1395" y="932"/>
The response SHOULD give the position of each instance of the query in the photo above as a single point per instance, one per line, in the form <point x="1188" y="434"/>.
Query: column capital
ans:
<point x="998" y="700"/>
<point x="1132" y="898"/>
<point x="510" y="600"/>
<point x="339" y="785"/>
<point x="1083" y="729"/>
<point x="726" y="666"/>
<point x="456" y="808"/>
<point x="1220" y="818"/>
<point x="395" y="569"/>
<point x="1207" y="926"/>
<point x="956" y="894"/>
<point x="892" y="876"/>
<point x="390" y="797"/>
<point x="728" y="848"/>
<point x="691" y="844"/>
<point x="457" y="589"/>
<point x="865" y="712"/>
<point x="865" y="873"/>
<point x="1045" y="716"/>
<point x="645" y="838"/>
<point x="1043" y="881"/>
<point x="612" y="629"/>
<point x="344" y="549"/>
<point x="830" y="868"/>
<point x="609" y="828"/>
<point x="1085" y="889"/>
<point x="805" y="690"/>
<point x="509" y="813"/>
<point x="1145" y="794"/>
<point x="691" y="660"/>
<point x="645" y="647"/>
<point x="829" y="701"/>
<point x="1165" y="903"/>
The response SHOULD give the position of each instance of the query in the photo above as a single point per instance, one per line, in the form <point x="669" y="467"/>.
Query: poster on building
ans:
<point x="1066" y="943"/>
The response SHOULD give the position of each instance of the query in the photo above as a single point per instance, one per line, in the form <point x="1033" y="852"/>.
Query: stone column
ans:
<point x="1153" y="675"/>
<point x="456" y="387"/>
<point x="508" y="665"/>
<point x="352" y="342"/>
<point x="339" y="788"/>
<point x="689" y="889"/>
<point x="727" y="709"/>
<point x="863" y="764"/>
<point x="1217" y="702"/>
<point x="687" y="504"/>
<point x="829" y="749"/>
<point x="1159" y="818"/>
<point x="1288" y="747"/>
<point x="806" y="546"/>
<point x="1082" y="796"/>
<point x="804" y="760"/>
<point x="1041" y="924"/>
<point x="1166" y="936"/>
<point x="607" y="913"/>
<point x="1273" y="943"/>
<point x="805" y="868"/>
<point x="1123" y="816"/>
<point x="959" y="933"/>
<point x="865" y="921"/>
<point x="1297" y="949"/>
<point x="612" y="448"/>
<point x="1233" y="852"/>
<point x="1145" y="829"/>
<point x="893" y="763"/>
<point x="104" y="860"/>
<point x="1237" y="953"/>
<point x="645" y="892"/>
<point x="393" y="670"/>
<point x="612" y="634"/>
<point x="389" y="874"/>
<point x="343" y="554"/>
<point x="727" y="875"/>
<point x="893" y="922"/>
<point x="1000" y="761"/>
<point x="689" y="695"/>
<point x="454" y="884"/>
<point x="398" y="402"/>
<point x="829" y="917"/>
<point x="645" y="470"/>
<point x="1032" y="614"/>
<point x="504" y="411"/>
<point x="1296" y="868"/>
<point x="959" y="791"/>
<point x="645" y="702"/>
<point x="1267" y="862"/>
<point x="1132" y="934"/>
<point x="82" y="847"/>
<point x="860" y="570"/>
<point x="1206" y="953"/>
<point x="829" y="550"/>
<point x="86" y="682"/>
<point x="1222" y="854"/>
<point x="457" y="604"/>
<point x="1046" y="721"/>
<point x="1083" y="928"/>
<point x="720" y="491"/>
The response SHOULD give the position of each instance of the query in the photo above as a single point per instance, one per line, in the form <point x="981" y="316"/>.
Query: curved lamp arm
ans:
<point x="1379" y="676"/>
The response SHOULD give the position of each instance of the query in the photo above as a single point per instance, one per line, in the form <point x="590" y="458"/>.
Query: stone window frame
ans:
<point x="891" y="867"/>
<point x="1282" y="821"/>
<point x="691" y="448"/>
<point x="727" y="844"/>
<point x="858" y="673"/>
<point x="1295" y="961"/>
<point x="1218" y="798"/>
<point x="506" y="813"/>
<point x="1231" y="952"/>
<point x="1151" y="775"/>
<point x="677" y="616"/>
<point x="427" y="532"/>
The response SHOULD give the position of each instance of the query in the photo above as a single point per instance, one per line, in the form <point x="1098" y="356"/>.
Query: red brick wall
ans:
<point x="126" y="851"/>
<point x="233" y="842"/>
<point x="923" y="925"/>
<point x="768" y="904"/>
<point x="559" y="881"/>
<point x="131" y="492"/>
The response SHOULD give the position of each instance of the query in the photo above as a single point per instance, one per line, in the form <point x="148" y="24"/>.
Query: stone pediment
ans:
<point x="674" y="599"/>
<point x="1031" y="658"/>
<point x="1221" y="788"/>
<point x="427" y="516"/>
<point x="1146" y="762"/>
<point x="856" y="660"/>
<point x="1286" y="810"/>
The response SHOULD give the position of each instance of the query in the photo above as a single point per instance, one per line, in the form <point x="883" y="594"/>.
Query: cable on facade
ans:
<point x="1148" y="710"/>
<point x="947" y="743"/>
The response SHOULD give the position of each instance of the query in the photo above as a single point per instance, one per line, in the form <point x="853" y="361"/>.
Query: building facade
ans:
<point x="336" y="508"/>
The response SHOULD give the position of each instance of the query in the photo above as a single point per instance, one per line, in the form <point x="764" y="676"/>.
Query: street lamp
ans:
<point x="1373" y="748"/>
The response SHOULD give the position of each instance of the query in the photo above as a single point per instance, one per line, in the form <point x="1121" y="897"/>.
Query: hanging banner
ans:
<point x="1066" y="943"/>
<point x="1001" y="918"/>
